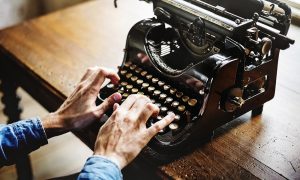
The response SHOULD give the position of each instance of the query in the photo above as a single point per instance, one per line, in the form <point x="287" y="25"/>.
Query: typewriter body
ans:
<point x="209" y="62"/>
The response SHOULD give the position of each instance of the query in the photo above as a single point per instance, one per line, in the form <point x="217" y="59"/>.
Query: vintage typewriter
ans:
<point x="208" y="61"/>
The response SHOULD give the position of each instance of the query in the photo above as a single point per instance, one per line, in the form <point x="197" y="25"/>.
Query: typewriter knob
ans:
<point x="266" y="45"/>
<point x="197" y="32"/>
<point x="233" y="100"/>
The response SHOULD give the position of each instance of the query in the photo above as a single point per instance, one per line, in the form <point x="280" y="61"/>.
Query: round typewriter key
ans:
<point x="123" y="72"/>
<point x="159" y="118"/>
<point x="151" y="89"/>
<point x="128" y="75"/>
<point x="185" y="98"/>
<point x="138" y="70"/>
<point x="161" y="83"/>
<point x="110" y="86"/>
<point x="169" y="100"/>
<point x="175" y="104"/>
<point x="133" y="66"/>
<point x="158" y="105"/>
<point x="139" y="81"/>
<point x="156" y="119"/>
<point x="156" y="93"/>
<point x="134" y="90"/>
<point x="163" y="110"/>
<point x="166" y="87"/>
<point x="145" y="85"/>
<point x="162" y="131"/>
<point x="202" y="92"/>
<point x="177" y="118"/>
<point x="134" y="78"/>
<point x="173" y="126"/>
<point x="125" y="95"/>
<point x="143" y="73"/>
<point x="127" y="64"/>
<point x="162" y="96"/>
<point x="192" y="102"/>
<point x="154" y="80"/>
<point x="129" y="86"/>
<point x="181" y="108"/>
<point x="173" y="90"/>
<point x="141" y="93"/>
<point x="120" y="91"/>
<point x="153" y="101"/>
<point x="179" y="94"/>
<point x="149" y="76"/>
<point x="124" y="83"/>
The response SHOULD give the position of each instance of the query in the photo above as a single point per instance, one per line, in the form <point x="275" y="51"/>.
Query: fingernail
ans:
<point x="117" y="97"/>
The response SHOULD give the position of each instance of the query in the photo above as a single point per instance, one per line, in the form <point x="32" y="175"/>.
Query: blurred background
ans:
<point x="15" y="11"/>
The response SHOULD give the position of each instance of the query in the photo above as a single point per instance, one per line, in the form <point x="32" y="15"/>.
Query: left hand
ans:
<point x="79" y="110"/>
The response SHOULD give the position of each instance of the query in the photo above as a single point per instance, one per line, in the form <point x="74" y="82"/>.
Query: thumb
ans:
<point x="108" y="103"/>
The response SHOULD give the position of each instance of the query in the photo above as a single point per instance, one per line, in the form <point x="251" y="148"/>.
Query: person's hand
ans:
<point x="80" y="110"/>
<point x="124" y="134"/>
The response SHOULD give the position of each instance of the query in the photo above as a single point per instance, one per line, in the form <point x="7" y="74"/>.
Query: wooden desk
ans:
<point x="47" y="56"/>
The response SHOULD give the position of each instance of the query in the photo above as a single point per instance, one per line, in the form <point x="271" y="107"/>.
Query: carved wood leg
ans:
<point x="12" y="110"/>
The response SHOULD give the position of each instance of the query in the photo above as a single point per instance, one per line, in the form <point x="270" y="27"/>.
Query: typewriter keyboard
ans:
<point x="166" y="95"/>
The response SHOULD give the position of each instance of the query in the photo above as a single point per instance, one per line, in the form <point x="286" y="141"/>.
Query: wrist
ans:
<point x="53" y="126"/>
<point x="113" y="158"/>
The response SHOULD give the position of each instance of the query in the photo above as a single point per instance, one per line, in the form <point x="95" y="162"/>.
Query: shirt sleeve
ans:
<point x="99" y="167"/>
<point x="20" y="138"/>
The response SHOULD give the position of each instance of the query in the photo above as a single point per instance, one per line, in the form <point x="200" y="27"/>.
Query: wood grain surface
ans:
<point x="57" y="49"/>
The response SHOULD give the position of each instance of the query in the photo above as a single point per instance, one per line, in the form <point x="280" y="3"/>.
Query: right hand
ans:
<point x="125" y="133"/>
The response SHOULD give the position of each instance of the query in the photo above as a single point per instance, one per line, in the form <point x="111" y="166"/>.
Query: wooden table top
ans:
<point x="57" y="48"/>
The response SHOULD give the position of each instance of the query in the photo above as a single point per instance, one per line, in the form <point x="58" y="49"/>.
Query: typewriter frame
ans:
<point x="211" y="115"/>
<point x="231" y="85"/>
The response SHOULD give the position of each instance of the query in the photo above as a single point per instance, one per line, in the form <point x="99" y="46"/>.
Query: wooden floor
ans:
<point x="63" y="155"/>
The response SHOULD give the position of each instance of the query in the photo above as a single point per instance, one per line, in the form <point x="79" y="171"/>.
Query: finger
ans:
<point x="145" y="59"/>
<point x="199" y="84"/>
<point x="88" y="73"/>
<point x="127" y="104"/>
<point x="116" y="106"/>
<point x="190" y="81"/>
<point x="99" y="76"/>
<point x="110" y="74"/>
<point x="108" y="103"/>
<point x="160" y="125"/>
<point x="144" y="111"/>
<point x="140" y="55"/>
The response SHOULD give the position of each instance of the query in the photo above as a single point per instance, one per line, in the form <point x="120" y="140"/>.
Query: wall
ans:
<point x="52" y="5"/>
<point x="15" y="11"/>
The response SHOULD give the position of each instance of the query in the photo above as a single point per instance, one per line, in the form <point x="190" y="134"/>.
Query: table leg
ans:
<point x="12" y="110"/>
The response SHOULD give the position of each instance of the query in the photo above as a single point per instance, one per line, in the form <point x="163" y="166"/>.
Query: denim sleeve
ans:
<point x="98" y="167"/>
<point x="20" y="138"/>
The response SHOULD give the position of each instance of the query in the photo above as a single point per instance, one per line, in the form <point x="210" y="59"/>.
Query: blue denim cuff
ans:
<point x="99" y="167"/>
<point x="19" y="139"/>
<point x="30" y="134"/>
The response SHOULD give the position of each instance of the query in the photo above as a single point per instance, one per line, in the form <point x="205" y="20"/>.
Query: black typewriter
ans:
<point x="207" y="61"/>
